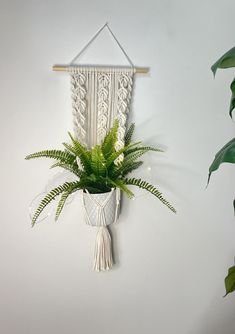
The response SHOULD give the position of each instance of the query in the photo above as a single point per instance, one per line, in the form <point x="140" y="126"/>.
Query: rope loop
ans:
<point x="106" y="25"/>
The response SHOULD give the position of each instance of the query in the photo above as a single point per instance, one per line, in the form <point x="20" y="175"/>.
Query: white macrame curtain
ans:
<point x="99" y="96"/>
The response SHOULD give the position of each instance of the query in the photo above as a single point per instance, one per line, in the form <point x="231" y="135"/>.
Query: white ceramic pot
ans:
<point x="101" y="209"/>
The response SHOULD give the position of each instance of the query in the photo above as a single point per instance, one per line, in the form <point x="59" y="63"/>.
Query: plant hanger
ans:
<point x="101" y="152"/>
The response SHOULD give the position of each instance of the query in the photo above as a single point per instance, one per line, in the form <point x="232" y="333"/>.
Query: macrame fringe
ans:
<point x="103" y="259"/>
<point x="101" y="210"/>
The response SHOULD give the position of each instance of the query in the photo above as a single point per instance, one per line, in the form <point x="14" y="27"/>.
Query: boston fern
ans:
<point x="98" y="170"/>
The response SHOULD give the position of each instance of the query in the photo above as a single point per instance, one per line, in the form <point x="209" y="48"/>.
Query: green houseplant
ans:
<point x="97" y="170"/>
<point x="227" y="153"/>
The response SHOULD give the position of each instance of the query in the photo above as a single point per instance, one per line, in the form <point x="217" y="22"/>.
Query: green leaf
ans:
<point x="226" y="154"/>
<point x="83" y="154"/>
<point x="150" y="188"/>
<point x="108" y="145"/>
<point x="232" y="102"/>
<point x="121" y="185"/>
<point x="130" y="167"/>
<point x="129" y="134"/>
<point x="226" y="61"/>
<point x="73" y="168"/>
<point x="116" y="154"/>
<point x="144" y="149"/>
<point x="230" y="281"/>
<point x="53" y="154"/>
<point x="74" y="187"/>
<point x="98" y="162"/>
<point x="125" y="168"/>
<point x="130" y="158"/>
<point x="49" y="197"/>
<point x="94" y="184"/>
<point x="61" y="203"/>
<point x="70" y="148"/>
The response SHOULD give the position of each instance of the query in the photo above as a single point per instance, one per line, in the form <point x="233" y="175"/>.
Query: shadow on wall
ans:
<point x="219" y="318"/>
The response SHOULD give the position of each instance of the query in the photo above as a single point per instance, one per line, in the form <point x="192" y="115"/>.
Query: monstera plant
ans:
<point x="227" y="152"/>
<point x="97" y="170"/>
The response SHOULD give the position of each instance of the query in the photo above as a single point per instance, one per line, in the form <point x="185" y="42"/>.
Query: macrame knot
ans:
<point x="102" y="210"/>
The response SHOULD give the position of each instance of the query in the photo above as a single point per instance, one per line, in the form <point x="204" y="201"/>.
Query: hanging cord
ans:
<point x="94" y="37"/>
<point x="87" y="45"/>
<point x="120" y="46"/>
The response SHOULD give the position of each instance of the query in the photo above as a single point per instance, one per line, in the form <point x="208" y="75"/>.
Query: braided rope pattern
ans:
<point x="103" y="105"/>
<point x="125" y="82"/>
<point x="100" y="95"/>
<point x="79" y="105"/>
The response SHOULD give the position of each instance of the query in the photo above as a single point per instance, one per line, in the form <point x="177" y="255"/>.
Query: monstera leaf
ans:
<point x="226" y="154"/>
<point x="230" y="281"/>
<point x="232" y="102"/>
<point x="226" y="61"/>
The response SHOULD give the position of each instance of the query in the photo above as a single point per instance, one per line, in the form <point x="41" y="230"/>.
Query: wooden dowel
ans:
<point x="63" y="68"/>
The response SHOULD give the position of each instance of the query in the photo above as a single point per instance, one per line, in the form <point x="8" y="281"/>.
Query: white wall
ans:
<point x="170" y="268"/>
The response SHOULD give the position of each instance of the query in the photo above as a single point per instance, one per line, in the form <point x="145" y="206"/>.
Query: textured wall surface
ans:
<point x="170" y="268"/>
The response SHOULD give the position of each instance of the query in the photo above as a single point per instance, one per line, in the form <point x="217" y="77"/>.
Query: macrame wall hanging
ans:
<point x="100" y="95"/>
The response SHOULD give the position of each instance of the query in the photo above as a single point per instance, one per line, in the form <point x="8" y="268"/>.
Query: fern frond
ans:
<point x="122" y="169"/>
<point x="126" y="169"/>
<point x="129" y="134"/>
<point x="49" y="197"/>
<point x="97" y="184"/>
<point x="108" y="145"/>
<point x="116" y="154"/>
<point x="98" y="162"/>
<point x="83" y="154"/>
<point x="53" y="154"/>
<point x="61" y="204"/>
<point x="64" y="197"/>
<point x="69" y="148"/>
<point x="130" y="158"/>
<point x="73" y="168"/>
<point x="122" y="186"/>
<point x="143" y="149"/>
<point x="150" y="188"/>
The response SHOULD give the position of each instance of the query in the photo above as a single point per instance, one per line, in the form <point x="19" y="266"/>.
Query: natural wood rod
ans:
<point x="64" y="68"/>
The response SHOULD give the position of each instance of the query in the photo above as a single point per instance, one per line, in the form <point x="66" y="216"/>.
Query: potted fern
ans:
<point x="101" y="174"/>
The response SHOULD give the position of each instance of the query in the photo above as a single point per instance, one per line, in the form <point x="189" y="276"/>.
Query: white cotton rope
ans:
<point x="103" y="259"/>
<point x="98" y="98"/>
<point x="100" y="213"/>
<point x="106" y="25"/>
<point x="101" y="95"/>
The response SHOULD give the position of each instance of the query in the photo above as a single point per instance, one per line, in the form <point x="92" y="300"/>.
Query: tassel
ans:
<point x="103" y="250"/>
